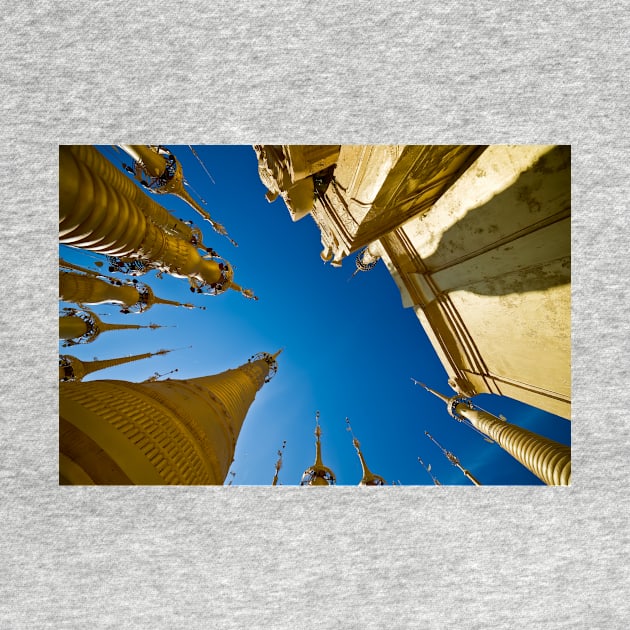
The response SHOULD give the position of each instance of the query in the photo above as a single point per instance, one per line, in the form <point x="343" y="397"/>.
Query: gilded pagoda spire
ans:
<point x="103" y="211"/>
<point x="132" y="296"/>
<point x="74" y="369"/>
<point x="164" y="174"/>
<point x="369" y="478"/>
<point x="549" y="460"/>
<point x="454" y="460"/>
<point x="318" y="474"/>
<point x="156" y="432"/>
<point x="84" y="326"/>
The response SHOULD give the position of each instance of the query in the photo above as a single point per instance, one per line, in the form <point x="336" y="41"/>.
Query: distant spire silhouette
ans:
<point x="278" y="463"/>
<point x="453" y="459"/>
<point x="428" y="469"/>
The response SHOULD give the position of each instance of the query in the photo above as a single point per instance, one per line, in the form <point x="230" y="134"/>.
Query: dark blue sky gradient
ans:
<point x="350" y="348"/>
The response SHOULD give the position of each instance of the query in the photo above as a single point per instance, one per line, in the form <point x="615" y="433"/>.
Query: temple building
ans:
<point x="103" y="211"/>
<point x="549" y="460"/>
<point x="156" y="432"/>
<point x="477" y="239"/>
<point x="318" y="474"/>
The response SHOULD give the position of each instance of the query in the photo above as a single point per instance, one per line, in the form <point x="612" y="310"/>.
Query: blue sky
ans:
<point x="350" y="348"/>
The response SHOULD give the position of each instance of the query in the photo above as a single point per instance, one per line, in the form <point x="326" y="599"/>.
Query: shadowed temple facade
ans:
<point x="477" y="239"/>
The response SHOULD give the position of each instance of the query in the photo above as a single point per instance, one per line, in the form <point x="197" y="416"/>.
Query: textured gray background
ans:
<point x="313" y="72"/>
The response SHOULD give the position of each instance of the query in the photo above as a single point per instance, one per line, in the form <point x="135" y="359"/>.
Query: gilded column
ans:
<point x="159" y="432"/>
<point x="549" y="460"/>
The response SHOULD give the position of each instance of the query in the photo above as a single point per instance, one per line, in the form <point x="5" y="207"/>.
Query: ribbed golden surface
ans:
<point x="101" y="210"/>
<point x="164" y="432"/>
<point x="550" y="461"/>
<point x="71" y="327"/>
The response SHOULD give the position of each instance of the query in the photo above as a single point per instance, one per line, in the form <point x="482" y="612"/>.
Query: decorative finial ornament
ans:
<point x="318" y="474"/>
<point x="454" y="460"/>
<point x="428" y="469"/>
<point x="278" y="463"/>
<point x="270" y="359"/>
<point x="366" y="259"/>
<point x="157" y="376"/>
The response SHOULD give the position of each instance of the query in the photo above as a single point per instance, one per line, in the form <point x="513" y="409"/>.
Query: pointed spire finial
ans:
<point x="278" y="463"/>
<point x="428" y="469"/>
<point x="432" y="391"/>
<point x="369" y="478"/>
<point x="453" y="459"/>
<point x="318" y="474"/>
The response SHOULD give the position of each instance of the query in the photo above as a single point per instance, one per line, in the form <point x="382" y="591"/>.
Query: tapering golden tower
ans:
<point x="368" y="478"/>
<point x="132" y="296"/>
<point x="549" y="460"/>
<point x="83" y="326"/>
<point x="318" y="474"/>
<point x="74" y="369"/>
<point x="103" y="211"/>
<point x="161" y="432"/>
<point x="454" y="460"/>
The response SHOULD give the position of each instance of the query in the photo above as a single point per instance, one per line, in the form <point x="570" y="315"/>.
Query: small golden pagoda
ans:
<point x="156" y="432"/>
<point x="318" y="474"/>
<point x="368" y="478"/>
<point x="133" y="297"/>
<point x="83" y="326"/>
